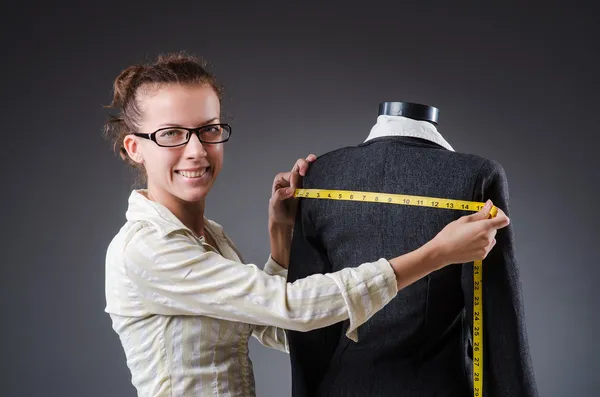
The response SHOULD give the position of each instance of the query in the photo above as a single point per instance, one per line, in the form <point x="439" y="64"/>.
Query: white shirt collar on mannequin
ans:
<point x="403" y="126"/>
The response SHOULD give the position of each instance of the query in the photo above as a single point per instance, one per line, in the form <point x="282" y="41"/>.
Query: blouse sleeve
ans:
<point x="267" y="335"/>
<point x="173" y="275"/>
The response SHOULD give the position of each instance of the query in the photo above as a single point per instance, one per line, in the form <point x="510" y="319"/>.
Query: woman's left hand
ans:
<point x="282" y="205"/>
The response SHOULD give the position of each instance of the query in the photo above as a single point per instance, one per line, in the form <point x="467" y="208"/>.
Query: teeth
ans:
<point x="193" y="174"/>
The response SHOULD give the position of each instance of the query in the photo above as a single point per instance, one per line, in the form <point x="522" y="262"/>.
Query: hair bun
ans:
<point x="124" y="85"/>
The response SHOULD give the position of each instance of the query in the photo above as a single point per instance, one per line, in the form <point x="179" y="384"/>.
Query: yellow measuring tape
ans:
<point x="433" y="202"/>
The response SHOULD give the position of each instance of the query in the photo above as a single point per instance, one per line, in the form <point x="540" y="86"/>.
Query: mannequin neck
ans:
<point x="415" y="111"/>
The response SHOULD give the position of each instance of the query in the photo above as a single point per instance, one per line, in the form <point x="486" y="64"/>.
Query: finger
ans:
<point x="490" y="236"/>
<point x="499" y="221"/>
<point x="500" y="212"/>
<point x="276" y="182"/>
<point x="301" y="165"/>
<point x="295" y="180"/>
<point x="283" y="193"/>
<point x="281" y="180"/>
<point x="489" y="248"/>
<point x="483" y="213"/>
<point x="296" y="165"/>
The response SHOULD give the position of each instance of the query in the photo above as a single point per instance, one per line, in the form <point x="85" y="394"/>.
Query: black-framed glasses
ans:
<point x="178" y="136"/>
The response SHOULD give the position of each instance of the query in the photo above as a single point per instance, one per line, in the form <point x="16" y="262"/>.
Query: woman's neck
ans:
<point x="190" y="214"/>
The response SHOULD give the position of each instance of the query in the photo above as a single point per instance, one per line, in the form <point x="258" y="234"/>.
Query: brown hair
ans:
<point x="178" y="68"/>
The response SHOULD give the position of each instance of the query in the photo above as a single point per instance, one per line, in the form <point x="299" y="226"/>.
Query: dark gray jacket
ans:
<point x="420" y="343"/>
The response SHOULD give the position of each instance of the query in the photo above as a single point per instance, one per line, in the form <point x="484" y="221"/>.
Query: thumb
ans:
<point x="483" y="213"/>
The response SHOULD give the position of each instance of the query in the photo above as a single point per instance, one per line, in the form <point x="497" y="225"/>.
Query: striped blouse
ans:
<point x="184" y="311"/>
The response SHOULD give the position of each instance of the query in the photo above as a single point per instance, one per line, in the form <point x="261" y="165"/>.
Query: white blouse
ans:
<point x="184" y="311"/>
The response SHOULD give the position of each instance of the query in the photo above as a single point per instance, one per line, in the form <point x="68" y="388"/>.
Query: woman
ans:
<point x="179" y="297"/>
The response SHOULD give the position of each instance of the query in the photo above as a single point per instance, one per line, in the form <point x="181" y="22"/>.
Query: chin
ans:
<point x="193" y="196"/>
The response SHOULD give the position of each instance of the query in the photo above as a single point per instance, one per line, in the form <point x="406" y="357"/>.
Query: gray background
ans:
<point x="513" y="84"/>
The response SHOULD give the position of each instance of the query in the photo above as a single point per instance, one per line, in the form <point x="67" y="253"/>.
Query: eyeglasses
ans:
<point x="178" y="136"/>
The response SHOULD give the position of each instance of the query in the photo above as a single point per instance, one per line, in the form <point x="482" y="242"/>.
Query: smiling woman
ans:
<point x="179" y="296"/>
<point x="181" y="167"/>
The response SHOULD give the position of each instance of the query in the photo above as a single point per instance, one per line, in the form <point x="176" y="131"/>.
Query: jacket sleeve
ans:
<point x="310" y="352"/>
<point x="507" y="365"/>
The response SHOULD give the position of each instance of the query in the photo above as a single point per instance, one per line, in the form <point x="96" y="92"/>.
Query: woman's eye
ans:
<point x="170" y="133"/>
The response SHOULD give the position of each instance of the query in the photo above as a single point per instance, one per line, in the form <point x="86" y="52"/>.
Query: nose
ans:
<point x="194" y="148"/>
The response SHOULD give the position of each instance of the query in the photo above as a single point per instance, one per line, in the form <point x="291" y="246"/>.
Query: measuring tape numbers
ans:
<point x="433" y="202"/>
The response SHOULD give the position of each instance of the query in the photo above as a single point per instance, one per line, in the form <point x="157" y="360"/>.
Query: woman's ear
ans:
<point x="133" y="149"/>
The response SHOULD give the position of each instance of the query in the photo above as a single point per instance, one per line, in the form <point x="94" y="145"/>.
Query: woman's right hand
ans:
<point x="470" y="237"/>
<point x="467" y="239"/>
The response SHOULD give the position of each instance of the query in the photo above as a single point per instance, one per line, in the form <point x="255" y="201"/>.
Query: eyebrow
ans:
<point x="179" y="125"/>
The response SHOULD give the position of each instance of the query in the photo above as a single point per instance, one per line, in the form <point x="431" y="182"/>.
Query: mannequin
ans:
<point x="420" y="344"/>
<point x="415" y="111"/>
